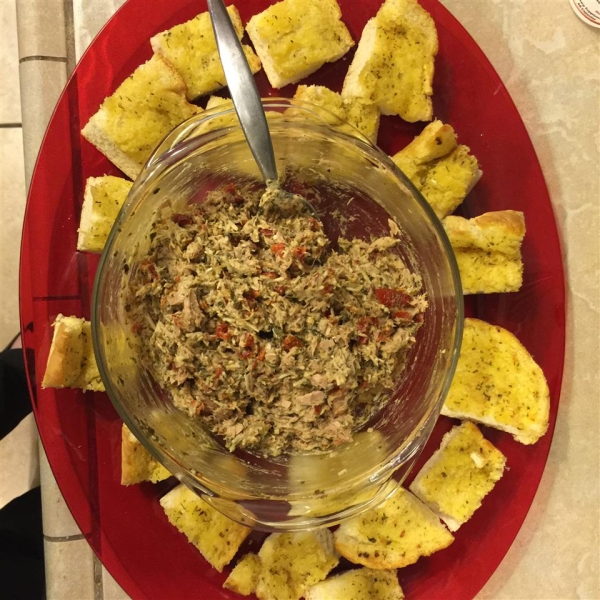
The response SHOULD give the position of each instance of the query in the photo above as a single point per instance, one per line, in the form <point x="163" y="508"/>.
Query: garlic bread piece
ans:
<point x="137" y="464"/>
<point x="455" y="480"/>
<point x="66" y="353"/>
<point x="441" y="169"/>
<point x="497" y="383"/>
<point x="71" y="362"/>
<point x="393" y="535"/>
<point x="356" y="112"/>
<point x="292" y="562"/>
<point x="394" y="62"/>
<point x="191" y="49"/>
<point x="102" y="201"/>
<point x="217" y="537"/>
<point x="359" y="584"/>
<point x="294" y="38"/>
<point x="244" y="576"/>
<point x="137" y="116"/>
<point x="488" y="251"/>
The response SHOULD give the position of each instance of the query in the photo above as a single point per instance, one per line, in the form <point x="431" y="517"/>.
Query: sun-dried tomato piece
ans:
<point x="299" y="252"/>
<point x="277" y="249"/>
<point x="402" y="314"/>
<point x="267" y="232"/>
<point x="291" y="341"/>
<point x="222" y="331"/>
<point x="392" y="298"/>
<point x="365" y="323"/>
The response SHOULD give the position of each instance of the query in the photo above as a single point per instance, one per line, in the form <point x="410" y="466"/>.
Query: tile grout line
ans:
<point x="71" y="58"/>
<point x="64" y="538"/>
<point x="43" y="57"/>
<point x="98" y="582"/>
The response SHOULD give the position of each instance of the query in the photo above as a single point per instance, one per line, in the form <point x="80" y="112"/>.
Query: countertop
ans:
<point x="550" y="62"/>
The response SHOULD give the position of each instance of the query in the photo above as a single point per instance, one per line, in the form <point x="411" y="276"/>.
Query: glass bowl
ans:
<point x="361" y="189"/>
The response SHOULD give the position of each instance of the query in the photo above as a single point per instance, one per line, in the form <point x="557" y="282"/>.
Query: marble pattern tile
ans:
<point x="88" y="20"/>
<point x="41" y="85"/>
<point x="12" y="208"/>
<point x="75" y="580"/>
<point x="41" y="28"/>
<point x="111" y="590"/>
<point x="10" y="103"/>
<point x="57" y="519"/>
<point x="549" y="61"/>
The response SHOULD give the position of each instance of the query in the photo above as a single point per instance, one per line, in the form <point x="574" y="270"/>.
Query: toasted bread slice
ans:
<point x="497" y="383"/>
<point x="359" y="584"/>
<point x="102" y="200"/>
<point x="217" y="537"/>
<point x="488" y="251"/>
<point x="244" y="576"/>
<point x="71" y="362"/>
<point x="292" y="562"/>
<point x="394" y="62"/>
<point x="67" y="350"/>
<point x="393" y="535"/>
<point x="215" y="101"/>
<point x="294" y="38"/>
<point x="143" y="109"/>
<point x="435" y="141"/>
<point x="192" y="50"/>
<point x="137" y="464"/>
<point x="455" y="480"/>
<point x="440" y="169"/>
<point x="363" y="116"/>
<point x="228" y="120"/>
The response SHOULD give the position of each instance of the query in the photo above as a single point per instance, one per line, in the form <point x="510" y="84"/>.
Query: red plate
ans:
<point x="81" y="432"/>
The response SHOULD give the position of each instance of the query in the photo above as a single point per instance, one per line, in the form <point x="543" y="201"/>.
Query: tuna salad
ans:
<point x="255" y="323"/>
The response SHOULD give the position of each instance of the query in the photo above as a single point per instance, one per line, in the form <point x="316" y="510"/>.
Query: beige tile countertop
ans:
<point x="550" y="62"/>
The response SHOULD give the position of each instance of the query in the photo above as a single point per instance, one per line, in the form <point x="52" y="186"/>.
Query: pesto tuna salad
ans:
<point x="255" y="323"/>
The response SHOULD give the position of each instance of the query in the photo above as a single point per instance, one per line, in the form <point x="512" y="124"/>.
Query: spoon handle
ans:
<point x="244" y="92"/>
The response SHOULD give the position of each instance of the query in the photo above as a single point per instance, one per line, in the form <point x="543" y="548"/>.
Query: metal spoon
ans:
<point x="249" y="108"/>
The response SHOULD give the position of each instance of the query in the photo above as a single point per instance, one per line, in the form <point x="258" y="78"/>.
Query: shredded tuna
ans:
<point x="257" y="326"/>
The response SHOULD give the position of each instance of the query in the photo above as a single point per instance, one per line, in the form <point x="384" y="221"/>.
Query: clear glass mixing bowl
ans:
<point x="357" y="181"/>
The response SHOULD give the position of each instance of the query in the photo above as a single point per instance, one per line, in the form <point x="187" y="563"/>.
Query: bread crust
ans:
<point x="499" y="384"/>
<point x="291" y="48"/>
<point x="393" y="535"/>
<point x="394" y="63"/>
<point x="154" y="114"/>
<point x="463" y="473"/>
<point x="137" y="464"/>
<point x="488" y="251"/>
<point x="67" y="350"/>
<point x="190" y="48"/>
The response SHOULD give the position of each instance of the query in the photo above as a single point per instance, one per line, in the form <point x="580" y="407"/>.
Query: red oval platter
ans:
<point x="81" y="432"/>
